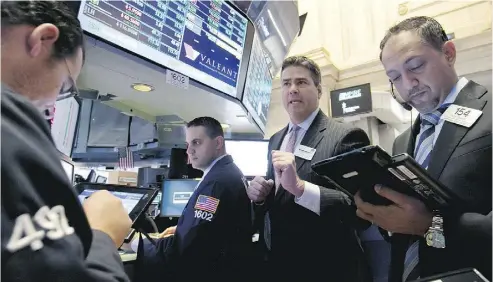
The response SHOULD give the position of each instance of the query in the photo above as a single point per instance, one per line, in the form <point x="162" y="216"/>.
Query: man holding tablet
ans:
<point x="46" y="234"/>
<point x="451" y="139"/>
<point x="213" y="238"/>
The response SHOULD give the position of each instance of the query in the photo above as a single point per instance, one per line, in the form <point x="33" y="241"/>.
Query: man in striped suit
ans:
<point x="419" y="60"/>
<point x="306" y="226"/>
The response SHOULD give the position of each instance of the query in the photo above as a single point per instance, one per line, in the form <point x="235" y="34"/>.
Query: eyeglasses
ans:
<point x="72" y="91"/>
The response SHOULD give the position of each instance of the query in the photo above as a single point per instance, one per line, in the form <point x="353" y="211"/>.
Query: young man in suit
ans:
<point x="305" y="224"/>
<point x="213" y="237"/>
<point x="46" y="234"/>
<point x="419" y="61"/>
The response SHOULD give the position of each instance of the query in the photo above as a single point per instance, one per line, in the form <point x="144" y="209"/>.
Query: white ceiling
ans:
<point x="112" y="72"/>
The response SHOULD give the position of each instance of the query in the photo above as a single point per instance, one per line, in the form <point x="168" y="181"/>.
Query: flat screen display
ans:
<point x="258" y="85"/>
<point x="277" y="23"/>
<point x="64" y="125"/>
<point x="129" y="200"/>
<point x="351" y="101"/>
<point x="204" y="40"/>
<point x="175" y="196"/>
<point x="249" y="156"/>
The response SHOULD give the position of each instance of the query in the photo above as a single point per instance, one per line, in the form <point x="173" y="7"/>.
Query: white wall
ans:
<point x="351" y="30"/>
<point x="343" y="37"/>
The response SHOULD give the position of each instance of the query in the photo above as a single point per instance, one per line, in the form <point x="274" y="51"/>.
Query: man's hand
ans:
<point x="406" y="216"/>
<point x="106" y="213"/>
<point x="285" y="169"/>
<point x="168" y="232"/>
<point x="259" y="189"/>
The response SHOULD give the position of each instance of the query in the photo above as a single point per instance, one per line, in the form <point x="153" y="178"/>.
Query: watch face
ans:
<point x="435" y="239"/>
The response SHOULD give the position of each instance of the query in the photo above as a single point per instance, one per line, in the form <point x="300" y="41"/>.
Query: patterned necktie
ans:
<point x="423" y="151"/>
<point x="293" y="135"/>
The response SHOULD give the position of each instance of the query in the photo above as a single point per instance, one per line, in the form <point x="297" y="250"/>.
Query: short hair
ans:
<point x="429" y="29"/>
<point x="213" y="128"/>
<point x="302" y="61"/>
<point x="36" y="13"/>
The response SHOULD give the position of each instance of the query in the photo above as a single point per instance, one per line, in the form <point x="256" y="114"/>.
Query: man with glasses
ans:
<point x="46" y="235"/>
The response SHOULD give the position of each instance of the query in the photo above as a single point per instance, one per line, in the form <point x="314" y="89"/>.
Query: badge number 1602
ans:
<point x="203" y="215"/>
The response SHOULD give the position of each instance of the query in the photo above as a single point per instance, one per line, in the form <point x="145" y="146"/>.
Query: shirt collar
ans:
<point x="452" y="96"/>
<point x="306" y="123"/>
<point x="455" y="91"/>
<point x="211" y="165"/>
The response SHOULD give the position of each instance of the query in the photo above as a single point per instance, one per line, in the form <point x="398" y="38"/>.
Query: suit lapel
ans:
<point x="451" y="134"/>
<point x="313" y="136"/>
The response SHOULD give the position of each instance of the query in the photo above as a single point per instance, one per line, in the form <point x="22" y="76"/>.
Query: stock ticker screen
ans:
<point x="258" y="85"/>
<point x="204" y="40"/>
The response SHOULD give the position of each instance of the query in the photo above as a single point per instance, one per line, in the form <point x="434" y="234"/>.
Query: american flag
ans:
<point x="206" y="203"/>
<point x="125" y="158"/>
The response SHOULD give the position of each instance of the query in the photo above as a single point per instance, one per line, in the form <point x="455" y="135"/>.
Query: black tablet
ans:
<point x="361" y="169"/>
<point x="135" y="200"/>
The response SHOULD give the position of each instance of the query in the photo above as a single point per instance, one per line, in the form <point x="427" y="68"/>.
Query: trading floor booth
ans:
<point x="184" y="48"/>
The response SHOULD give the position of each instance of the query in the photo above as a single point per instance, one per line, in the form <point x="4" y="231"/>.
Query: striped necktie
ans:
<point x="293" y="135"/>
<point x="422" y="154"/>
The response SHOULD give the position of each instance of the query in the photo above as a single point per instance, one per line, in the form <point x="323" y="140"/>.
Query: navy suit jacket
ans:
<point x="213" y="237"/>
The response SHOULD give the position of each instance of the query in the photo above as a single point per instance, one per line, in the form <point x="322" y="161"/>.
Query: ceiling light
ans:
<point x="142" y="87"/>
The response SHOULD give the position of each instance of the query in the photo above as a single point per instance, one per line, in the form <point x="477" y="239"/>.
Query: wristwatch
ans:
<point x="434" y="236"/>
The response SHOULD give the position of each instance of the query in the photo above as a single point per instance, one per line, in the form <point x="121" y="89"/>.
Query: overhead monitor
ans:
<point x="351" y="101"/>
<point x="278" y="24"/>
<point x="175" y="196"/>
<point x="64" y="125"/>
<point x="258" y="86"/>
<point x="205" y="40"/>
<point x="249" y="155"/>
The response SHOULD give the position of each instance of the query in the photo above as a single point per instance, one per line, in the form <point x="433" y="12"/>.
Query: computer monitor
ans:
<point x="101" y="179"/>
<point x="175" y="196"/>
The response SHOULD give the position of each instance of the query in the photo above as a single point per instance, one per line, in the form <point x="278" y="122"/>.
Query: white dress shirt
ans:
<point x="310" y="199"/>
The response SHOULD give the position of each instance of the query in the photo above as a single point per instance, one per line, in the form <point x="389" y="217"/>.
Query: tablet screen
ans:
<point x="129" y="200"/>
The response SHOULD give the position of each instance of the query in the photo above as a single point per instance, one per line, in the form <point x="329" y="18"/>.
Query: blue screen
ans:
<point x="185" y="35"/>
<point x="175" y="196"/>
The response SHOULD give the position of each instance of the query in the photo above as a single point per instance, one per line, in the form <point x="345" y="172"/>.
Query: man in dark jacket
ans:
<point x="451" y="139"/>
<point x="46" y="236"/>
<point x="307" y="227"/>
<point x="213" y="238"/>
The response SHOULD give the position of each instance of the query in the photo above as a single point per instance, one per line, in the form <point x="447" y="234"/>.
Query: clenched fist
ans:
<point x="259" y="188"/>
<point x="285" y="169"/>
